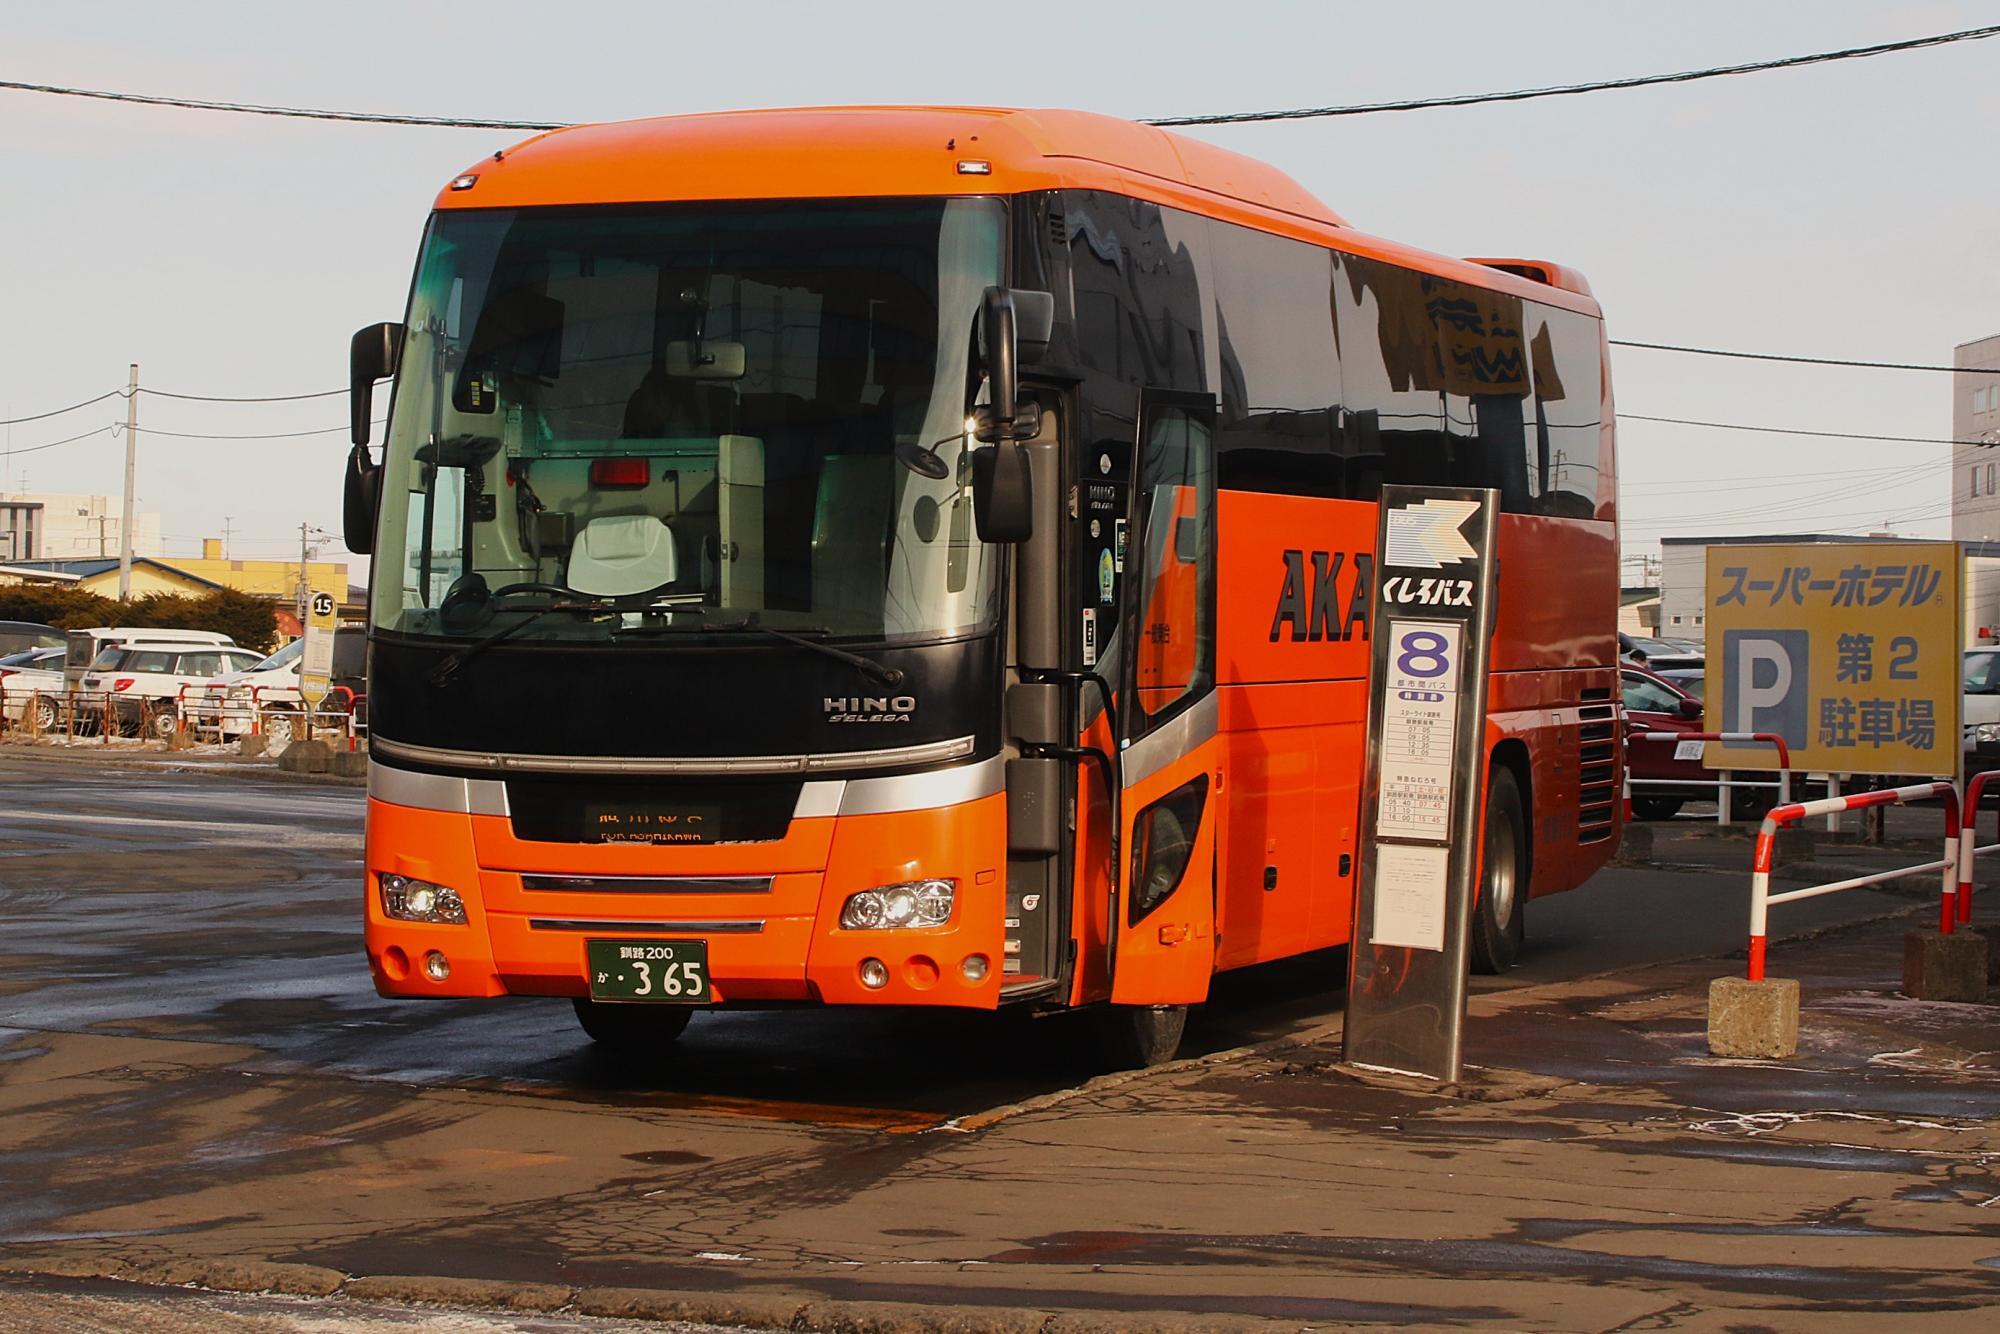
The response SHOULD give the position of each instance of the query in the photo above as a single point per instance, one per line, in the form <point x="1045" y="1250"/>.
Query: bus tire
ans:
<point x="1499" y="918"/>
<point x="1135" y="1037"/>
<point x="633" y="1030"/>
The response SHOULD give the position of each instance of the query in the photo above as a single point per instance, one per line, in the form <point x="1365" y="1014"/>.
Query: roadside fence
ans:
<point x="1762" y="899"/>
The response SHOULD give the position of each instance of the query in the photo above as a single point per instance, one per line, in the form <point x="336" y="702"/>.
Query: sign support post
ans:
<point x="1423" y="790"/>
<point x="316" y="663"/>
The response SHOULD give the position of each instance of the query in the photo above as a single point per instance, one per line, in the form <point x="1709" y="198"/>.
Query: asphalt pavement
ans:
<point x="196" y="1076"/>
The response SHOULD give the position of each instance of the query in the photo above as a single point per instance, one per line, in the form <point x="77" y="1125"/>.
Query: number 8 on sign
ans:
<point x="1423" y="653"/>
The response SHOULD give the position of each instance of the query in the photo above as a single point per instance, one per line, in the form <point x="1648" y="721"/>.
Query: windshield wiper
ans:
<point x="451" y="664"/>
<point x="888" y="676"/>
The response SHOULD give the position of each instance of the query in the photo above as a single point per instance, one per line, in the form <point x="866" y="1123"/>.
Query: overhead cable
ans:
<point x="1787" y="430"/>
<point x="33" y="449"/>
<point x="1808" y="361"/>
<point x="57" y="412"/>
<point x="1223" y="118"/>
<point x="229" y="398"/>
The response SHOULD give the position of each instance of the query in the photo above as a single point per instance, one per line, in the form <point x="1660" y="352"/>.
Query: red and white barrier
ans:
<point x="1761" y="897"/>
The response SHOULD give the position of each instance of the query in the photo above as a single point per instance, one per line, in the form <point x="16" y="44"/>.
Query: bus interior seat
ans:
<point x="620" y="554"/>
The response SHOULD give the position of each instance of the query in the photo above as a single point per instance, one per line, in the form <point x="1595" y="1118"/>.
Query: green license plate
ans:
<point x="675" y="971"/>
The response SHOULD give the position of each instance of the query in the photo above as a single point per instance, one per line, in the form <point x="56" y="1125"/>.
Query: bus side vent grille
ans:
<point x="1597" y="768"/>
<point x="1058" y="229"/>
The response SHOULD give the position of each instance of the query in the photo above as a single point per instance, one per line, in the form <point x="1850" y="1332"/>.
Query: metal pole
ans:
<point x="304" y="595"/>
<point x="131" y="473"/>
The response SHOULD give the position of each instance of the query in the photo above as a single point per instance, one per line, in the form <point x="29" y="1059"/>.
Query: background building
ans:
<point x="45" y="526"/>
<point x="1975" y="415"/>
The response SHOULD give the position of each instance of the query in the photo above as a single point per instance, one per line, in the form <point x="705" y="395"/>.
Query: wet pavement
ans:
<point x="192" y="1064"/>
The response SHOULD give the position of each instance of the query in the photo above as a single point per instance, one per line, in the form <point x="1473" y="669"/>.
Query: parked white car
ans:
<point x="143" y="679"/>
<point x="35" y="674"/>
<point x="271" y="688"/>
<point x="86" y="645"/>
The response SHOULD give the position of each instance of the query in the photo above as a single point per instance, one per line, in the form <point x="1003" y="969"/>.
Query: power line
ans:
<point x="41" y="416"/>
<point x="1226" y="118"/>
<point x="228" y="398"/>
<point x="1570" y="89"/>
<point x="1786" y="430"/>
<point x="35" y="449"/>
<point x="1807" y="361"/>
<point x="261" y="435"/>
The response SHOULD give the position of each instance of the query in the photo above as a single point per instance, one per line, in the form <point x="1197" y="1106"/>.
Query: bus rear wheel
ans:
<point x="633" y="1030"/>
<point x="1135" y="1037"/>
<point x="1499" y="918"/>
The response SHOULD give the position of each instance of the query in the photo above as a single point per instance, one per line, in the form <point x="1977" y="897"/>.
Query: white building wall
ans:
<point x="1975" y="415"/>
<point x="82" y="527"/>
<point x="1683" y="588"/>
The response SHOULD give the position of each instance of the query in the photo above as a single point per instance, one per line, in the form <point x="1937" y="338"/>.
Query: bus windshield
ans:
<point x="691" y="412"/>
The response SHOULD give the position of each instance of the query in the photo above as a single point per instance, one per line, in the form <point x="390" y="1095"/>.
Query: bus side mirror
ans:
<point x="372" y="355"/>
<point x="1003" y="493"/>
<point x="361" y="497"/>
<point x="1014" y="326"/>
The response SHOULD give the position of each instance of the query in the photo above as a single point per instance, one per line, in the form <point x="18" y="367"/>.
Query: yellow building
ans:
<point x="277" y="580"/>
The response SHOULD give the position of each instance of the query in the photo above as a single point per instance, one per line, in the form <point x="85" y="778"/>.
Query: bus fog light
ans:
<point x="436" y="967"/>
<point x="408" y="900"/>
<point x="974" y="968"/>
<point x="906" y="903"/>
<point x="874" y="974"/>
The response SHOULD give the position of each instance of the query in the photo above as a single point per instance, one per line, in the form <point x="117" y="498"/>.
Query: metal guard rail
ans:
<point x="1761" y="897"/>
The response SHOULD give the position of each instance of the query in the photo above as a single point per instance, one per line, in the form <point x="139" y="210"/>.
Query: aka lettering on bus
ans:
<point x="1312" y="608"/>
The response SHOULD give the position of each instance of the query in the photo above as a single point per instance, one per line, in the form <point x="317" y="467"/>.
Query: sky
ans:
<point x="1850" y="210"/>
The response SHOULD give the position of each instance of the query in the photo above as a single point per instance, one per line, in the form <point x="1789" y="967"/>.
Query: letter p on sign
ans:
<point x="1764" y="682"/>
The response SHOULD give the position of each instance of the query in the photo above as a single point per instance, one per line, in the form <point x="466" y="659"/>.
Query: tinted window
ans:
<point x="146" y="660"/>
<point x="201" y="664"/>
<point x="1982" y="672"/>
<point x="1280" y="368"/>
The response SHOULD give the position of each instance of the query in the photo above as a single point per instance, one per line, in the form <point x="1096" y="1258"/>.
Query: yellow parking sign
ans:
<point x="1850" y="651"/>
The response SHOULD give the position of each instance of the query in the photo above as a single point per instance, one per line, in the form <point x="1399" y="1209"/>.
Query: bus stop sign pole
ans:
<point x="1424" y="784"/>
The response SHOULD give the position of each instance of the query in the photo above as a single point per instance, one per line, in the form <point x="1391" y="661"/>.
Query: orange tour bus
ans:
<point x="921" y="556"/>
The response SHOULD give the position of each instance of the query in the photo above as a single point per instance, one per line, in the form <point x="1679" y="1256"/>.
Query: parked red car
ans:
<point x="1655" y="704"/>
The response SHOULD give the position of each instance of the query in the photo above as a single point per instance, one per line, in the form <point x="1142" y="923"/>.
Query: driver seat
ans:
<point x="621" y="554"/>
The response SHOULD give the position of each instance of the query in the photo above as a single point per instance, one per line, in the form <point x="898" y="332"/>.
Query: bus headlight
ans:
<point x="408" y="900"/>
<point x="908" y="903"/>
<point x="1986" y="732"/>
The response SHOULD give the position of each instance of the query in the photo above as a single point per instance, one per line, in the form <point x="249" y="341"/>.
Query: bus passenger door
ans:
<point x="1163" y="941"/>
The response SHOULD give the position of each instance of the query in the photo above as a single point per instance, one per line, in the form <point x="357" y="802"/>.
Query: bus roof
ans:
<point x="851" y="152"/>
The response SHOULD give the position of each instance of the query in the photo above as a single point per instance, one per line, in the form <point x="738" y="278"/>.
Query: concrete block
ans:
<point x="349" y="763"/>
<point x="251" y="746"/>
<point x="1635" y="846"/>
<point x="1794" y="843"/>
<point x="1944" y="968"/>
<point x="1753" y="1019"/>
<point x="178" y="740"/>
<point x="306" y="757"/>
<point x="1992" y="935"/>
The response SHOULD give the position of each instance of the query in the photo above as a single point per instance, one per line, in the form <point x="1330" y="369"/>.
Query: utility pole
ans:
<point x="305" y="590"/>
<point x="226" y="522"/>
<point x="131" y="473"/>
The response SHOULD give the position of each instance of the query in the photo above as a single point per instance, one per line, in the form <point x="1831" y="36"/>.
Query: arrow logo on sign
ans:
<point x="1426" y="535"/>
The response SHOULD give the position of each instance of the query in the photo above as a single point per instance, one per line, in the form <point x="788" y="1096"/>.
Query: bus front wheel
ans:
<point x="633" y="1030"/>
<point x="1135" y="1037"/>
<point x="1499" y="918"/>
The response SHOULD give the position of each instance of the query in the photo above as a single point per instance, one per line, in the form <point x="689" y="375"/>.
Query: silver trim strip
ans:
<point x="1154" y="751"/>
<point x="819" y="797"/>
<point x="928" y="753"/>
<point x="924" y="792"/>
<point x="646" y="884"/>
<point x="436" y="792"/>
<point x="598" y="924"/>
